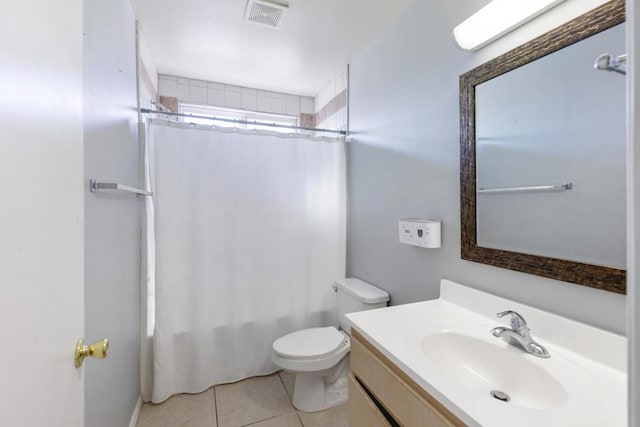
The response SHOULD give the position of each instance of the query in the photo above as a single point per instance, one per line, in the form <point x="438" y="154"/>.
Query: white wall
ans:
<point x="41" y="213"/>
<point x="112" y="227"/>
<point x="147" y="60"/>
<point x="147" y="71"/>
<point x="404" y="162"/>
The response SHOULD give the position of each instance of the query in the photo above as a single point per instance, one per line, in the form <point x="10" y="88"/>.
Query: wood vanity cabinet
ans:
<point x="380" y="394"/>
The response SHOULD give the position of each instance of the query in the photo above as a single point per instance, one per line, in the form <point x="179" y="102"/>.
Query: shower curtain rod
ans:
<point x="242" y="122"/>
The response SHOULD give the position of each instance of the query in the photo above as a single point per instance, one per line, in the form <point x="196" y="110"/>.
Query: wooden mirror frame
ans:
<point x="606" y="278"/>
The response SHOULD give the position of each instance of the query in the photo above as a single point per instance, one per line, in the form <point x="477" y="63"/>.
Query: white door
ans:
<point x="41" y="213"/>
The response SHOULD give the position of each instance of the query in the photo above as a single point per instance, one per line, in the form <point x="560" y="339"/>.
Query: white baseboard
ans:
<point x="136" y="413"/>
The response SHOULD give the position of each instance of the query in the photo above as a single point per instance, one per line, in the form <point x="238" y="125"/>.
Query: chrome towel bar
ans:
<point x="531" y="189"/>
<point x="95" y="186"/>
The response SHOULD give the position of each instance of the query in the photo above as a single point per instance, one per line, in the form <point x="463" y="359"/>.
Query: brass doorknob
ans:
<point x="97" y="350"/>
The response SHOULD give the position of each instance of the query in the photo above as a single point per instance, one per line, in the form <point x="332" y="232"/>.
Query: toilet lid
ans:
<point x="313" y="343"/>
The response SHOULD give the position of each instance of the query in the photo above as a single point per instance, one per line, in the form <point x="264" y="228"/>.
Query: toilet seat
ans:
<point x="312" y="343"/>
<point x="293" y="352"/>
<point x="319" y="357"/>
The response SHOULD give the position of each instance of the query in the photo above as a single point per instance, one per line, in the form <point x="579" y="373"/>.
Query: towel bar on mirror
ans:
<point x="531" y="189"/>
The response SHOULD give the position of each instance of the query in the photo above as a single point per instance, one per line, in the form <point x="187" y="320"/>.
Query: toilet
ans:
<point x="319" y="357"/>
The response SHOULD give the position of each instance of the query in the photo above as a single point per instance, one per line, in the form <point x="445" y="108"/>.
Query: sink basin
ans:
<point x="486" y="367"/>
<point x="446" y="348"/>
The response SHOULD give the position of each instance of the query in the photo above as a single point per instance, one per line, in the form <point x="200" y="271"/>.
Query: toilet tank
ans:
<point x="355" y="295"/>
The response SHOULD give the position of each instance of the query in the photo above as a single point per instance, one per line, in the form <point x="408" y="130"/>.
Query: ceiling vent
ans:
<point x="265" y="12"/>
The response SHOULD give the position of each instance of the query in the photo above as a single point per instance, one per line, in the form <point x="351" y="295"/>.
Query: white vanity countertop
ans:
<point x="587" y="364"/>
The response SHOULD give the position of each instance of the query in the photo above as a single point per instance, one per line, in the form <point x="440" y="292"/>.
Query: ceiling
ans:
<point x="210" y="40"/>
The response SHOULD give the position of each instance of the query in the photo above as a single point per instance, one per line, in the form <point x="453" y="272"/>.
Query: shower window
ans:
<point x="240" y="115"/>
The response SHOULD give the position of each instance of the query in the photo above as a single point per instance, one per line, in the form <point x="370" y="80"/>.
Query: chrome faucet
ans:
<point x="519" y="335"/>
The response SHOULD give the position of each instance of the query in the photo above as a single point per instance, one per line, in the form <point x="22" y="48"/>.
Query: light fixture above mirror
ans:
<point x="496" y="19"/>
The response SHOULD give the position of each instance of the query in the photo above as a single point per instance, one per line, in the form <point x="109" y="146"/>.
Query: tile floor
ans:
<point x="255" y="402"/>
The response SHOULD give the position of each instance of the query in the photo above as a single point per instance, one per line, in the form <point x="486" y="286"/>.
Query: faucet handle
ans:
<point x="517" y="322"/>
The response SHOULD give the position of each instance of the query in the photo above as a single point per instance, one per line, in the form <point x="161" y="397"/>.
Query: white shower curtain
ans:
<point x="250" y="233"/>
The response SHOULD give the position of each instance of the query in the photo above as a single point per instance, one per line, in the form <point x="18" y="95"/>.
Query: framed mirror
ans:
<point x="542" y="155"/>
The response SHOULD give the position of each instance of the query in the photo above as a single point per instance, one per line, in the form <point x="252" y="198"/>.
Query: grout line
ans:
<point x="267" y="419"/>
<point x="282" y="382"/>
<point x="270" y="418"/>
<point x="285" y="390"/>
<point x="215" y="405"/>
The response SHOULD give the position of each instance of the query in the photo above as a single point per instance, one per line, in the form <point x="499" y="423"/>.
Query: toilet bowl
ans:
<point x="319" y="357"/>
